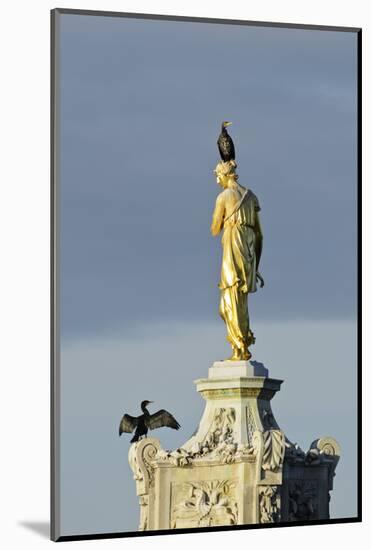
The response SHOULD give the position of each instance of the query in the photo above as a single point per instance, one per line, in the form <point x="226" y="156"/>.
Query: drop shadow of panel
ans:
<point x="42" y="528"/>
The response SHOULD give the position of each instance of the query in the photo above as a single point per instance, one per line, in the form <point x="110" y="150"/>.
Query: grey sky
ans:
<point x="141" y="107"/>
<point x="102" y="379"/>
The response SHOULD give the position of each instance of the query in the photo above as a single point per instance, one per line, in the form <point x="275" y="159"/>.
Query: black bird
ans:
<point x="225" y="143"/>
<point x="146" y="421"/>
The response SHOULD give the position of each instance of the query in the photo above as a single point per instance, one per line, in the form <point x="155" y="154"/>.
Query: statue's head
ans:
<point x="226" y="171"/>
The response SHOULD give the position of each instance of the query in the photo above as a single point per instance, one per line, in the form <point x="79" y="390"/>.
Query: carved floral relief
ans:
<point x="204" y="504"/>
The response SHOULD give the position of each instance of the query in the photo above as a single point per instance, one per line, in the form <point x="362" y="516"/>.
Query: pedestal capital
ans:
<point x="239" y="369"/>
<point x="238" y="387"/>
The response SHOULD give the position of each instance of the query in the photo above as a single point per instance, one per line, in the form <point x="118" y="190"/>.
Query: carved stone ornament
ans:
<point x="269" y="503"/>
<point x="325" y="450"/>
<point x="302" y="500"/>
<point x="250" y="424"/>
<point x="141" y="456"/>
<point x="204" y="504"/>
<point x="218" y="444"/>
<point x="221" y="431"/>
<point x="293" y="453"/>
<point x="274" y="448"/>
<point x="143" y="503"/>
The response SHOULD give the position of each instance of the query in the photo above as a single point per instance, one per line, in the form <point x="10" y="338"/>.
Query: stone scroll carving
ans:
<point x="204" y="504"/>
<point x="325" y="450"/>
<point x="141" y="456"/>
<point x="269" y="504"/>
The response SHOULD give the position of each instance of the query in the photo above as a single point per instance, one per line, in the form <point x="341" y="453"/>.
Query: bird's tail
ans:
<point x="135" y="438"/>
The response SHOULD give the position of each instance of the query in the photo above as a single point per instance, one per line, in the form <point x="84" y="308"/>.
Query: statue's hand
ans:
<point x="259" y="279"/>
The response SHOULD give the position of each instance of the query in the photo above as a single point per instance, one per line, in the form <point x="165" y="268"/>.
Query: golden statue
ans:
<point x="237" y="214"/>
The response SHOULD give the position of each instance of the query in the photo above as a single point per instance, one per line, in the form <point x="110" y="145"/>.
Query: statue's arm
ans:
<point x="218" y="216"/>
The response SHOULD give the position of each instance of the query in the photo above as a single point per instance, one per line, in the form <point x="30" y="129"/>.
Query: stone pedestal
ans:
<point x="239" y="467"/>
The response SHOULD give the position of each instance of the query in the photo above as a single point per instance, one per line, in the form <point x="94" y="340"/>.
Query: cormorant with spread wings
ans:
<point x="146" y="421"/>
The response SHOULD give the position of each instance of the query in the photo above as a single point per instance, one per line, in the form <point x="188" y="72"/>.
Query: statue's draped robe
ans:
<point x="242" y="243"/>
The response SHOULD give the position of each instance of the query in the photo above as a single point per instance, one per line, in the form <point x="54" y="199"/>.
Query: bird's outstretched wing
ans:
<point x="128" y="424"/>
<point x="162" y="418"/>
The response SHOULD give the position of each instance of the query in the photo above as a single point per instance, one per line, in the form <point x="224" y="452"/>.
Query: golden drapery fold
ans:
<point x="242" y="243"/>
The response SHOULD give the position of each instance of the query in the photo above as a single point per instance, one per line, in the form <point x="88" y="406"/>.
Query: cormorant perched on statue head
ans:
<point x="146" y="421"/>
<point x="225" y="143"/>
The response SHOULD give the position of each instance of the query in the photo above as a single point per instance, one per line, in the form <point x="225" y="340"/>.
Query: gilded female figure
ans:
<point x="237" y="214"/>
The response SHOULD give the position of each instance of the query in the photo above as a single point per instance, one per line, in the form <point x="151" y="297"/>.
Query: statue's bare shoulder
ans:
<point x="229" y="197"/>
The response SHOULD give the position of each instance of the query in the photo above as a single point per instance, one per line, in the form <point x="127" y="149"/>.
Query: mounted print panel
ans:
<point x="206" y="200"/>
